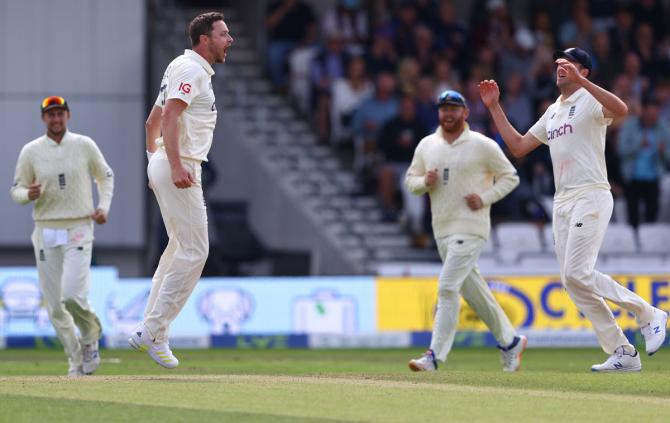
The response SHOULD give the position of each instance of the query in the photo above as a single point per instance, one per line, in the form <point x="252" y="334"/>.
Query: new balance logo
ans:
<point x="657" y="329"/>
<point x="579" y="224"/>
<point x="618" y="365"/>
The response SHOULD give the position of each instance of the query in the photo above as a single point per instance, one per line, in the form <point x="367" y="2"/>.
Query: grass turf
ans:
<point x="332" y="385"/>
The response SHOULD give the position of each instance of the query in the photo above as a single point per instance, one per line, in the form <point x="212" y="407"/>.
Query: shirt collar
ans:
<point x="574" y="96"/>
<point x="464" y="135"/>
<point x="54" y="143"/>
<point x="201" y="60"/>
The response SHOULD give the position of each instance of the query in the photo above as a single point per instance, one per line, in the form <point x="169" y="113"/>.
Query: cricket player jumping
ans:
<point x="574" y="129"/>
<point x="185" y="114"/>
<point x="457" y="167"/>
<point x="55" y="172"/>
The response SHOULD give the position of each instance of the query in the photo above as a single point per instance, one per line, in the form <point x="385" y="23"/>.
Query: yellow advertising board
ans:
<point x="534" y="302"/>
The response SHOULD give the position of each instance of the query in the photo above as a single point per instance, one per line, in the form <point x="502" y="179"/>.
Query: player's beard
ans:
<point x="454" y="127"/>
<point x="219" y="55"/>
<point x="56" y="131"/>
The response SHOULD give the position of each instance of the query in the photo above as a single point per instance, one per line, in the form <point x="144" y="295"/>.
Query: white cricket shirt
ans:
<point x="574" y="129"/>
<point x="472" y="164"/>
<point x="189" y="78"/>
<point x="64" y="170"/>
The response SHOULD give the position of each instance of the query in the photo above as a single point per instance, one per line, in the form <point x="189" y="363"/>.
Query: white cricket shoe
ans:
<point x="426" y="363"/>
<point x="91" y="358"/>
<point x="160" y="352"/>
<point x="75" y="371"/>
<point x="654" y="331"/>
<point x="620" y="361"/>
<point x="511" y="356"/>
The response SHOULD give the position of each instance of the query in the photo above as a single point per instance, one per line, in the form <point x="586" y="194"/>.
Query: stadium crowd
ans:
<point x="367" y="74"/>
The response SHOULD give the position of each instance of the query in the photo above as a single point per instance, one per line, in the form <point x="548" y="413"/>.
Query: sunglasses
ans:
<point x="452" y="97"/>
<point x="54" y="100"/>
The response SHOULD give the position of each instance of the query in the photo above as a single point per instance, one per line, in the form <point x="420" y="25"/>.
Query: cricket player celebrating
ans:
<point x="574" y="129"/>
<point x="464" y="172"/>
<point x="55" y="172"/>
<point x="185" y="114"/>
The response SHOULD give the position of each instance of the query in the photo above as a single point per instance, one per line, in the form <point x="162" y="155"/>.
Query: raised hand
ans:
<point x="489" y="92"/>
<point x="569" y="71"/>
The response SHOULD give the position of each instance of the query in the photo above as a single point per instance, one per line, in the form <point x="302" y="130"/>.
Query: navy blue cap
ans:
<point x="451" y="97"/>
<point x="576" y="55"/>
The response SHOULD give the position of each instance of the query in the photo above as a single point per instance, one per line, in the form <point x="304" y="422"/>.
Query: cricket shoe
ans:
<point x="511" y="355"/>
<point x="160" y="352"/>
<point x="426" y="363"/>
<point x="620" y="361"/>
<point x="654" y="331"/>
<point x="91" y="358"/>
<point x="75" y="371"/>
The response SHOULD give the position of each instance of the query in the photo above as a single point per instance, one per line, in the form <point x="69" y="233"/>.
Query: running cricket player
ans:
<point x="54" y="171"/>
<point x="457" y="167"/>
<point x="574" y="129"/>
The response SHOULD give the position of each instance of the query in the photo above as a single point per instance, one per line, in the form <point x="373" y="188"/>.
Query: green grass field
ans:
<point x="331" y="385"/>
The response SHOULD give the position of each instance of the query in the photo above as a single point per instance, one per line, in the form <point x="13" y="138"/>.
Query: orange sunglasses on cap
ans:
<point x="54" y="102"/>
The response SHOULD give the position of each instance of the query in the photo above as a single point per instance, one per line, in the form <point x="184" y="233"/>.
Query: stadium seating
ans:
<point x="654" y="238"/>
<point x="619" y="239"/>
<point x="517" y="239"/>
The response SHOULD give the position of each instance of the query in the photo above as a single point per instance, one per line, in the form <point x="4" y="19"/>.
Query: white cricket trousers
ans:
<point x="179" y="268"/>
<point x="64" y="273"/>
<point x="579" y="229"/>
<point x="460" y="276"/>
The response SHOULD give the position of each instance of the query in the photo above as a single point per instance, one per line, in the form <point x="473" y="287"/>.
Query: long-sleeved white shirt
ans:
<point x="472" y="164"/>
<point x="64" y="170"/>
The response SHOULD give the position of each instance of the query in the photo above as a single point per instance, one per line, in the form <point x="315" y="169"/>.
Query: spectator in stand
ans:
<point x="622" y="87"/>
<point x="632" y="69"/>
<point x="348" y="94"/>
<point x="644" y="148"/>
<point x="542" y="85"/>
<point x="445" y="77"/>
<point x="578" y="30"/>
<point x="605" y="63"/>
<point x="424" y="51"/>
<point x="651" y="62"/>
<point x="478" y="118"/>
<point x="542" y="32"/>
<point x="348" y="19"/>
<point x="451" y="37"/>
<point x="426" y="109"/>
<point x="382" y="56"/>
<point x="328" y="65"/>
<point x="409" y="74"/>
<point x="372" y="114"/>
<point x="518" y="102"/>
<point x="662" y="92"/>
<point x="403" y="28"/>
<point x="397" y="140"/>
<point x="621" y="33"/>
<point x="650" y="12"/>
<point x="288" y="21"/>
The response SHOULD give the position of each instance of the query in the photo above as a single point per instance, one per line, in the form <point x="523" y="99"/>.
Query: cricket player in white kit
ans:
<point x="464" y="172"/>
<point x="55" y="172"/>
<point x="185" y="114"/>
<point x="574" y="129"/>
